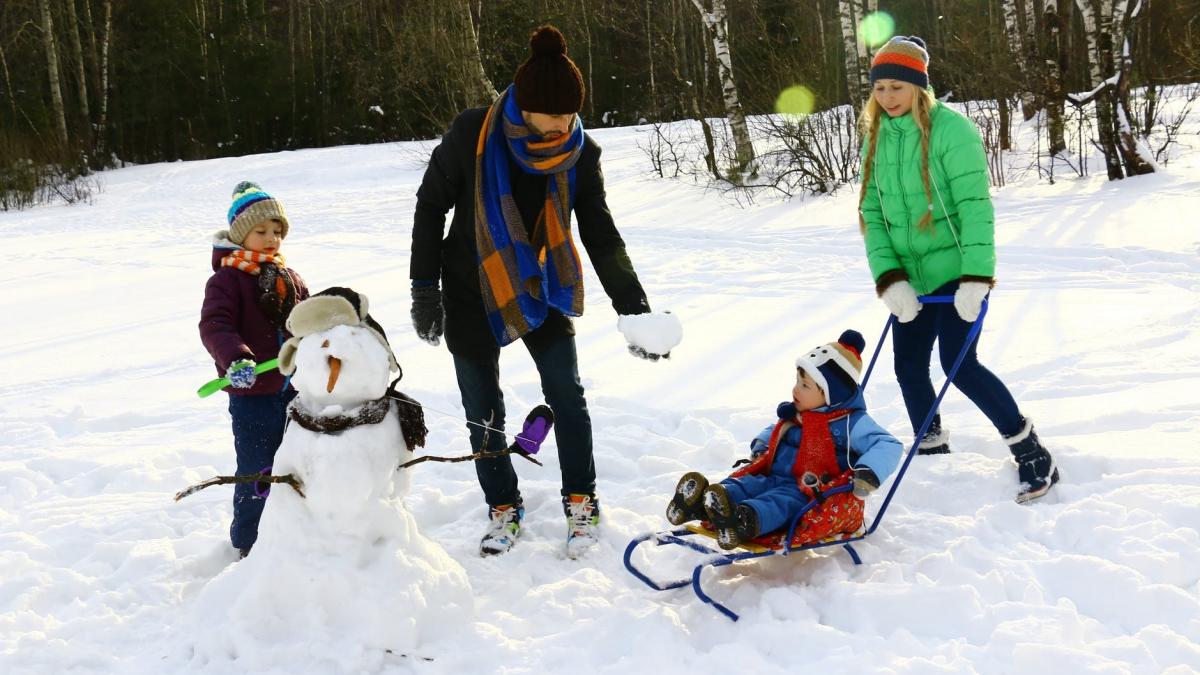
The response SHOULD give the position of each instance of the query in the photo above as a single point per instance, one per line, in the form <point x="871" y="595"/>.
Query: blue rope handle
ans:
<point x="972" y="335"/>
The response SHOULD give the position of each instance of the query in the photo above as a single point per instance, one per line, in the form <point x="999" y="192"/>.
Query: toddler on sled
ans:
<point x="823" y="439"/>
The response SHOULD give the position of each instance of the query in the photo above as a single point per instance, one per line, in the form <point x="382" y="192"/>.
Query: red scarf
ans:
<point x="816" y="453"/>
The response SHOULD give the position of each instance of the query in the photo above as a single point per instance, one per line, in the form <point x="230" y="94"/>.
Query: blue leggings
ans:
<point x="912" y="344"/>
<point x="775" y="499"/>
<point x="258" y="422"/>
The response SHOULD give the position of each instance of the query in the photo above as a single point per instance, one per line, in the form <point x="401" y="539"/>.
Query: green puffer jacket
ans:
<point x="960" y="242"/>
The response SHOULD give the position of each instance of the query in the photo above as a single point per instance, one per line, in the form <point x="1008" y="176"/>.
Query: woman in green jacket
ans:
<point x="927" y="220"/>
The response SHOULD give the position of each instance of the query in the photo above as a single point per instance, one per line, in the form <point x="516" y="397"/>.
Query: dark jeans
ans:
<point x="258" y="422"/>
<point x="558" y="365"/>
<point x="912" y="344"/>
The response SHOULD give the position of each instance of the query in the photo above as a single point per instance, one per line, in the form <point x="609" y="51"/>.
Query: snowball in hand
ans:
<point x="655" y="332"/>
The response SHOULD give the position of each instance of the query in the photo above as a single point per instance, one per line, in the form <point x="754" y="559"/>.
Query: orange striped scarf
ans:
<point x="251" y="262"/>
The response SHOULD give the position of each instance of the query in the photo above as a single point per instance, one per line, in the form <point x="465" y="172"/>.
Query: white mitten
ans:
<point x="901" y="300"/>
<point x="651" y="335"/>
<point x="968" y="299"/>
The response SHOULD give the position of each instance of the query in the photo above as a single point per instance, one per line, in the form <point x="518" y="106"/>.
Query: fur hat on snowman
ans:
<point x="336" y="306"/>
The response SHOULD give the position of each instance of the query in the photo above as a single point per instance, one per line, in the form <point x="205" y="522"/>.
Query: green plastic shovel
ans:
<point x="221" y="382"/>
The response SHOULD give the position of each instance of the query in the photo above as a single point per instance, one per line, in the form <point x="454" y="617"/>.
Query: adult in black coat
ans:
<point x="548" y="93"/>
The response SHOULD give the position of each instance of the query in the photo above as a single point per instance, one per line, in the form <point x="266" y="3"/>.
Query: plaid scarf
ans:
<point x="277" y="290"/>
<point x="523" y="276"/>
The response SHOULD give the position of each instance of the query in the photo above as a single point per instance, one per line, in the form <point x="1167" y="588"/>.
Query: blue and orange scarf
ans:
<point x="522" y="279"/>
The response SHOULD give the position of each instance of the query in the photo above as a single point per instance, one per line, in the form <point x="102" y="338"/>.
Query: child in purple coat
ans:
<point x="246" y="302"/>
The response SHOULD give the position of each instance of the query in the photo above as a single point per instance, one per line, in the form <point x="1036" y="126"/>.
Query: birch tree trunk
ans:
<point x="1137" y="158"/>
<point x="863" y="51"/>
<point x="1016" y="48"/>
<point x="485" y="91"/>
<point x="715" y="21"/>
<point x="1051" y="23"/>
<point x="80" y="66"/>
<point x="105" y="44"/>
<point x="850" y="50"/>
<point x="650" y="57"/>
<point x="587" y="34"/>
<point x="1096" y="16"/>
<point x="56" y="98"/>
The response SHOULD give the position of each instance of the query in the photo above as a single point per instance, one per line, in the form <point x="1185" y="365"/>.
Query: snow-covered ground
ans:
<point x="1092" y="326"/>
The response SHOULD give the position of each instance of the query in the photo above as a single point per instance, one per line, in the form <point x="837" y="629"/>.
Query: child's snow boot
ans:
<point x="583" y="523"/>
<point x="936" y="441"/>
<point x="1035" y="466"/>
<point x="503" y="530"/>
<point x="721" y="515"/>
<point x="747" y="522"/>
<point x="688" y="502"/>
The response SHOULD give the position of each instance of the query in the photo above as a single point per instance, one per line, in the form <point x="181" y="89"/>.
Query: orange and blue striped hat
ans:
<point x="903" y="58"/>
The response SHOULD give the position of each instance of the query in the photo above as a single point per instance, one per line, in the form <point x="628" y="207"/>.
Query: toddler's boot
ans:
<point x="721" y="514"/>
<point x="688" y="502"/>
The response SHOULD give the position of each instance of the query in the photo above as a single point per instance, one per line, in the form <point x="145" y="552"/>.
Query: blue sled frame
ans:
<point x="719" y="558"/>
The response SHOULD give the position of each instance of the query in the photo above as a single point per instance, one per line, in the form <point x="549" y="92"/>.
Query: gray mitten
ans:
<point x="865" y="482"/>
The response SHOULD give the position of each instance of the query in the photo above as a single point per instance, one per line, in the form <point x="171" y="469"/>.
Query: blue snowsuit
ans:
<point x="776" y="497"/>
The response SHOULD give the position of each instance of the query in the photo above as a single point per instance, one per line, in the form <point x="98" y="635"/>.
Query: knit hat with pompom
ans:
<point x="251" y="206"/>
<point x="549" y="82"/>
<point x="836" y="367"/>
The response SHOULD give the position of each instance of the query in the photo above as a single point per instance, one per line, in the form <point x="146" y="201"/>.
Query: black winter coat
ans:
<point x="449" y="183"/>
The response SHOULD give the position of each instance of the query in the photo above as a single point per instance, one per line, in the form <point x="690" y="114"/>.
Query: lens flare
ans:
<point x="877" y="28"/>
<point x="796" y="100"/>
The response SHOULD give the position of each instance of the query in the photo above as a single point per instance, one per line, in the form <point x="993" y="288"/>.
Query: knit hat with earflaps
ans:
<point x="336" y="306"/>
<point x="836" y="367"/>
<point x="251" y="206"/>
<point x="548" y="82"/>
<point x="903" y="58"/>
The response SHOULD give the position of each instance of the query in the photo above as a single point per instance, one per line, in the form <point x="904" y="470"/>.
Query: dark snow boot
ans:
<point x="936" y="441"/>
<point x="688" y="502"/>
<point x="721" y="515"/>
<point x="1035" y="466"/>
<point x="747" y="522"/>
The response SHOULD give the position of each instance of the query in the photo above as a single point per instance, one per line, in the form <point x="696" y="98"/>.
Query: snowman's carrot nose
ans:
<point x="335" y="368"/>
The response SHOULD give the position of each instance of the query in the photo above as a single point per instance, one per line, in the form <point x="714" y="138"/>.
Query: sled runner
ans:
<point x="792" y="540"/>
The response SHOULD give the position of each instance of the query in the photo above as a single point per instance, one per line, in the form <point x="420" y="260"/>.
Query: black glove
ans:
<point x="865" y="482"/>
<point x="428" y="317"/>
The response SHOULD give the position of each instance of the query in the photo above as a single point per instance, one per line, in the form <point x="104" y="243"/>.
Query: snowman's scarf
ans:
<point x="371" y="412"/>
<point x="410" y="416"/>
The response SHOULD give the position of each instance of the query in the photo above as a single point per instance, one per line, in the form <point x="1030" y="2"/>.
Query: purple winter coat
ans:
<point x="232" y="326"/>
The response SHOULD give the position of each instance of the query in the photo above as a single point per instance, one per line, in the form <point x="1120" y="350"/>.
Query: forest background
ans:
<point x="91" y="84"/>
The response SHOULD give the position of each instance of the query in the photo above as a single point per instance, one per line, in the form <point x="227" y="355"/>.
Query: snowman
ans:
<point x="343" y="563"/>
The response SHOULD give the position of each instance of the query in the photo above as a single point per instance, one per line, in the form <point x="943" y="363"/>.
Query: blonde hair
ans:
<point x="868" y="128"/>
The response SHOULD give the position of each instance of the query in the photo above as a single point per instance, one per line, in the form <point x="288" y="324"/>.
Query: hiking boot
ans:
<point x="1035" y="466"/>
<point x="936" y="441"/>
<point x="747" y="522"/>
<point x="583" y="523"/>
<point x="688" y="502"/>
<point x="721" y="516"/>
<point x="503" y="530"/>
<point x="243" y="552"/>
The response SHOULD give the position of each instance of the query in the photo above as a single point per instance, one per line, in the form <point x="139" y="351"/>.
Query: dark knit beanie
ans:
<point x="903" y="58"/>
<point x="548" y="82"/>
